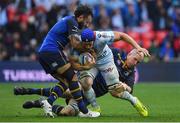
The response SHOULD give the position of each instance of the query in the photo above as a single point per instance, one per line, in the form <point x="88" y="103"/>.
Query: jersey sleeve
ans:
<point x="130" y="81"/>
<point x="72" y="27"/>
<point x="116" y="52"/>
<point x="106" y="37"/>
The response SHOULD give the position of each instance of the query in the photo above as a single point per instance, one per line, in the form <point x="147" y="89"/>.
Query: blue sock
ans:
<point x="35" y="91"/>
<point x="56" y="92"/>
<point x="40" y="91"/>
<point x="52" y="98"/>
<point x="77" y="95"/>
<point x="46" y="92"/>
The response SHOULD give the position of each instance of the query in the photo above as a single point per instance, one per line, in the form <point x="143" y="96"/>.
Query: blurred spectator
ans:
<point x="166" y="52"/>
<point x="3" y="49"/>
<point x="117" y="20"/>
<point x="176" y="21"/>
<point x="154" y="50"/>
<point x="31" y="50"/>
<point x="3" y="52"/>
<point x="90" y="2"/>
<point x="143" y="11"/>
<point x="46" y="4"/>
<point x="102" y="21"/>
<point x="3" y="17"/>
<point x="131" y="16"/>
<point x="115" y="4"/>
<point x="157" y="12"/>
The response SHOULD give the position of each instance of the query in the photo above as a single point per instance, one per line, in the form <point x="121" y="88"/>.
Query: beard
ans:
<point x="81" y="25"/>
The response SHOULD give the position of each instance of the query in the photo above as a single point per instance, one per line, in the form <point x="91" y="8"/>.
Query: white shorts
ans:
<point x="108" y="71"/>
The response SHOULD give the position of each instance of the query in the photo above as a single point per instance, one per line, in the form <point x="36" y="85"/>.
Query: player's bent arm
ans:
<point x="117" y="89"/>
<point x="75" y="63"/>
<point x="80" y="67"/>
<point x="77" y="66"/>
<point x="122" y="36"/>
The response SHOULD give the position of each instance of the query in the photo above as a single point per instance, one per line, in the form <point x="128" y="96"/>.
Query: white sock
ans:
<point x="127" y="96"/>
<point x="90" y="96"/>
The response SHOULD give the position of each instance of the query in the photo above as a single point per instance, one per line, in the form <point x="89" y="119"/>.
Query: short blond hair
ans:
<point x="138" y="53"/>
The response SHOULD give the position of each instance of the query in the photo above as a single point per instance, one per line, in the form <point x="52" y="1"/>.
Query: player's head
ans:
<point x="134" y="57"/>
<point x="87" y="37"/>
<point x="83" y="15"/>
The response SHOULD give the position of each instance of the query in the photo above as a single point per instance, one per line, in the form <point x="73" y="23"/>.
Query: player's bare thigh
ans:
<point x="87" y="77"/>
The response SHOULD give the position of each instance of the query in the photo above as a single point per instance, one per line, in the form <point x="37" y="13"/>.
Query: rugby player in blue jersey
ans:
<point x="54" y="62"/>
<point x="125" y="66"/>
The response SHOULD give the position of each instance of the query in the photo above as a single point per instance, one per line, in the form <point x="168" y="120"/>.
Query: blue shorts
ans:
<point x="51" y="61"/>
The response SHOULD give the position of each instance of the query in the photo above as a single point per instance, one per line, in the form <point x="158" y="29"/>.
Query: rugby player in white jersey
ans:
<point x="96" y="43"/>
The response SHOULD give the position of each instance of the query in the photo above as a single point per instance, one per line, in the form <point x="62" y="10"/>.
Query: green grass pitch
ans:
<point x="162" y="100"/>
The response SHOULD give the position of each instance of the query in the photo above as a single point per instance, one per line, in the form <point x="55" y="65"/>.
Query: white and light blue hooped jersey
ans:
<point x="102" y="40"/>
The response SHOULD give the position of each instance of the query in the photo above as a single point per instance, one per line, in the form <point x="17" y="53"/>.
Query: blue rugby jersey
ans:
<point x="57" y="37"/>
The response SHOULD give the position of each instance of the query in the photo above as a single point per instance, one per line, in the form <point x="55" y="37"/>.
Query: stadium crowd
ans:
<point x="155" y="24"/>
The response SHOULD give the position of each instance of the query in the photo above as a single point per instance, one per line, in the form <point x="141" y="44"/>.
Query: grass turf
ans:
<point x="162" y="100"/>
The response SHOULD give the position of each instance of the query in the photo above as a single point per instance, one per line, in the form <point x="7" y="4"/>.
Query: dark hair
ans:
<point x="83" y="10"/>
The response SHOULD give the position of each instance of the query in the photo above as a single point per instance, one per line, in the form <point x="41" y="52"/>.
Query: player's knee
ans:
<point x="86" y="83"/>
<point x="69" y="110"/>
<point x="117" y="89"/>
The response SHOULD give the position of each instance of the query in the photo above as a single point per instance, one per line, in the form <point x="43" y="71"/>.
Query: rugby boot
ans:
<point x="47" y="108"/>
<point x="96" y="109"/>
<point x="21" y="91"/>
<point x="32" y="104"/>
<point x="141" y="108"/>
<point x="89" y="114"/>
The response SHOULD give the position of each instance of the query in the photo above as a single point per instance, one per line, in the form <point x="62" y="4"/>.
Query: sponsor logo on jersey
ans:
<point x="54" y="64"/>
<point x="108" y="70"/>
<point x="126" y="73"/>
<point x="104" y="53"/>
<point x="104" y="35"/>
<point x="99" y="35"/>
<point x="75" y="29"/>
